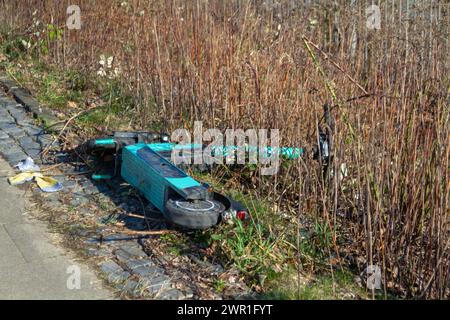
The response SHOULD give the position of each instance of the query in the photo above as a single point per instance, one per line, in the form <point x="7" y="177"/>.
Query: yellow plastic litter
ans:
<point x="23" y="177"/>
<point x="46" y="184"/>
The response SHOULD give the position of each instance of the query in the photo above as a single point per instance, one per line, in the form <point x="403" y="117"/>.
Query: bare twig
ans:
<point x="327" y="57"/>
<point x="147" y="232"/>
<point x="47" y="148"/>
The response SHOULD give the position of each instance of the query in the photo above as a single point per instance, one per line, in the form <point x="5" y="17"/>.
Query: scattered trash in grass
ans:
<point x="29" y="172"/>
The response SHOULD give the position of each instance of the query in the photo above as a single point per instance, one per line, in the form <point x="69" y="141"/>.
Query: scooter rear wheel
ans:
<point x="199" y="214"/>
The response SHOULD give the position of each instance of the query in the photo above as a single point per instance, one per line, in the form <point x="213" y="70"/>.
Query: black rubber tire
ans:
<point x="194" y="219"/>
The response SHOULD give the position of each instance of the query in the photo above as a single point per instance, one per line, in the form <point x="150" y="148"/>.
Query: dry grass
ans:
<point x="239" y="64"/>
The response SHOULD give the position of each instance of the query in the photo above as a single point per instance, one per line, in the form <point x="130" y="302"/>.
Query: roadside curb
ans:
<point x="22" y="96"/>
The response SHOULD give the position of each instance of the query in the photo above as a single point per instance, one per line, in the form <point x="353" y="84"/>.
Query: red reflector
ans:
<point x="241" y="215"/>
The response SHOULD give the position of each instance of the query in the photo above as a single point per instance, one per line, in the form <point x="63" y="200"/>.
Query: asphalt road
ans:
<point x="32" y="265"/>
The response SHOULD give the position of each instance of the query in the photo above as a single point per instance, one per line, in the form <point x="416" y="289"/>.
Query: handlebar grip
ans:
<point x="106" y="143"/>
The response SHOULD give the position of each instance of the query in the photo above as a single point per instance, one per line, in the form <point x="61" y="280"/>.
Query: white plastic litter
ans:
<point x="27" y="165"/>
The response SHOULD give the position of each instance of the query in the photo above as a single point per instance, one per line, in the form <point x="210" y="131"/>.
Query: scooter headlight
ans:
<point x="165" y="137"/>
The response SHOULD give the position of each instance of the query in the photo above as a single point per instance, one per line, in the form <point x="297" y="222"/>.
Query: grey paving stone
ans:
<point x="133" y="264"/>
<point x="28" y="143"/>
<point x="6" y="118"/>
<point x="15" y="158"/>
<point x="19" y="116"/>
<point x="26" y="140"/>
<point x="13" y="130"/>
<point x="110" y="266"/>
<point x="172" y="294"/>
<point x="26" y="122"/>
<point x="134" y="250"/>
<point x="10" y="147"/>
<point x="98" y="252"/>
<point x="3" y="101"/>
<point x="81" y="231"/>
<point x="188" y="293"/>
<point x="13" y="107"/>
<point x="92" y="241"/>
<point x="131" y="287"/>
<point x="119" y="277"/>
<point x="116" y="238"/>
<point x="4" y="136"/>
<point x="147" y="271"/>
<point x="7" y="125"/>
<point x="32" y="130"/>
<point x="155" y="285"/>
<point x="33" y="153"/>
<point x="114" y="272"/>
<point x="5" y="146"/>
<point x="213" y="268"/>
<point x="123" y="256"/>
<point x="45" y="139"/>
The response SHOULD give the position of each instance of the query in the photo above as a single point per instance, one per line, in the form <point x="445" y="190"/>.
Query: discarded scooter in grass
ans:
<point x="143" y="160"/>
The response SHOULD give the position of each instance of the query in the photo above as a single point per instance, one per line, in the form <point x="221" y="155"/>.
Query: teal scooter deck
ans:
<point x="155" y="176"/>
